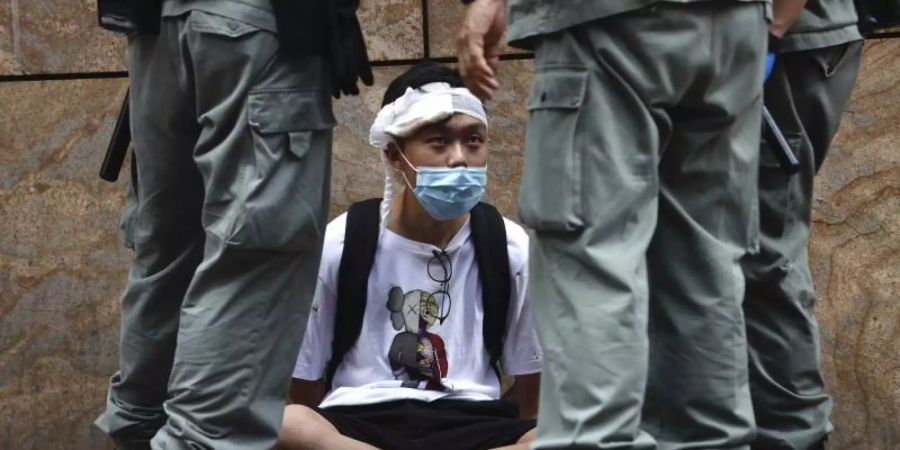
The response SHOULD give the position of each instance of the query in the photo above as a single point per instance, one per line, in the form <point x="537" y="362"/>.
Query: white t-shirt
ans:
<point x="405" y="350"/>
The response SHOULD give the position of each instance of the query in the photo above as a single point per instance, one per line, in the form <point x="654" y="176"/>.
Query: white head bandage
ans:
<point x="430" y="103"/>
<point x="416" y="108"/>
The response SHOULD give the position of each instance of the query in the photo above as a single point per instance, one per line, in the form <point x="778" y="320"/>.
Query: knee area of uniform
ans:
<point x="168" y="232"/>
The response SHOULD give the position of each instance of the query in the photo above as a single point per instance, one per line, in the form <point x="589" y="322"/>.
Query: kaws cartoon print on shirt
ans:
<point x="416" y="356"/>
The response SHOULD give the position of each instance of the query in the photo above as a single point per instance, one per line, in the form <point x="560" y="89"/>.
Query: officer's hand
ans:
<point x="479" y="44"/>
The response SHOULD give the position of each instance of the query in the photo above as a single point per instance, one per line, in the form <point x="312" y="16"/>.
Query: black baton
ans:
<point x="118" y="145"/>
<point x="779" y="145"/>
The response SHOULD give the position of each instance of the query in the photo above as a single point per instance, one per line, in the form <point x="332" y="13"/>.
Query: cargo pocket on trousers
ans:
<point x="282" y="208"/>
<point x="550" y="197"/>
<point x="830" y="59"/>
<point x="775" y="186"/>
<point x="204" y="22"/>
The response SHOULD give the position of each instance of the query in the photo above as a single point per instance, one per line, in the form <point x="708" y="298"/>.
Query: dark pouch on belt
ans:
<point x="129" y="16"/>
<point x="303" y="25"/>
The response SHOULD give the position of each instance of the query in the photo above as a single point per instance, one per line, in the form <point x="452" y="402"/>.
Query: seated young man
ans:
<point x="423" y="371"/>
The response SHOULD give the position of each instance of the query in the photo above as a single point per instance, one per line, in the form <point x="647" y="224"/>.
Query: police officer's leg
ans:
<point x="809" y="88"/>
<point x="821" y="83"/>
<point x="698" y="394"/>
<point x="589" y="192"/>
<point x="264" y="155"/>
<point x="162" y="224"/>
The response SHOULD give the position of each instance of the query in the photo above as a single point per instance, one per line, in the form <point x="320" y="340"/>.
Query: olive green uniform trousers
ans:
<point x="806" y="94"/>
<point x="640" y="187"/>
<point x="232" y="144"/>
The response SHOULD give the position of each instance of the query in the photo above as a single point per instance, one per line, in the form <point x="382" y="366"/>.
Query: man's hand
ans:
<point x="479" y="44"/>
<point x="784" y="13"/>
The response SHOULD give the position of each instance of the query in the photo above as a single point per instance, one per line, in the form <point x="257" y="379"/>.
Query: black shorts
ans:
<point x="437" y="425"/>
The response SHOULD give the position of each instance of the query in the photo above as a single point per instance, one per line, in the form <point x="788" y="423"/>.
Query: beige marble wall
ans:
<point x="393" y="29"/>
<point x="8" y="63"/>
<point x="855" y="258"/>
<point x="55" y="36"/>
<point x="62" y="267"/>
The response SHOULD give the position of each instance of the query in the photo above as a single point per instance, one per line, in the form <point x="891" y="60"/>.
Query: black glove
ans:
<point x="347" y="49"/>
<point x="329" y="28"/>
<point x="303" y="26"/>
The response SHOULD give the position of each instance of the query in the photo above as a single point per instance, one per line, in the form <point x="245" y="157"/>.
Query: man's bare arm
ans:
<point x="307" y="393"/>
<point x="526" y="392"/>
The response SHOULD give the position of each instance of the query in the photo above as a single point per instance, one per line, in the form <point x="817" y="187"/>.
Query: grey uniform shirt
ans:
<point x="822" y="24"/>
<point x="255" y="12"/>
<point x="530" y="18"/>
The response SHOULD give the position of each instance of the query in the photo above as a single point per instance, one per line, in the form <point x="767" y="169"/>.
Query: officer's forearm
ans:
<point x="784" y="13"/>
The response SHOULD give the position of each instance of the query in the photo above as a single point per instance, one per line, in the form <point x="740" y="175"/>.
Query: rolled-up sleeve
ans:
<point x="521" y="350"/>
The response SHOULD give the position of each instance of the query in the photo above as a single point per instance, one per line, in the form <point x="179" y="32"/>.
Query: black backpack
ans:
<point x="360" y="243"/>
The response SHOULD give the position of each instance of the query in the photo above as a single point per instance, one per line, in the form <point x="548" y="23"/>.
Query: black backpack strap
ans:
<point x="492" y="256"/>
<point x="360" y="244"/>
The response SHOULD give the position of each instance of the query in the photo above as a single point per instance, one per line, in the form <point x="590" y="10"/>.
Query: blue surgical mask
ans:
<point x="447" y="193"/>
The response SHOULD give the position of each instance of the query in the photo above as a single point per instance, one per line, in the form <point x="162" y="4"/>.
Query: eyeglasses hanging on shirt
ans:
<point x="440" y="269"/>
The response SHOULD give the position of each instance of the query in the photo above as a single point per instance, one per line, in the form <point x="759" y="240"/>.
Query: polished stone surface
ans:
<point x="61" y="264"/>
<point x="855" y="258"/>
<point x="57" y="36"/>
<point x="8" y="62"/>
<point x="393" y="29"/>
